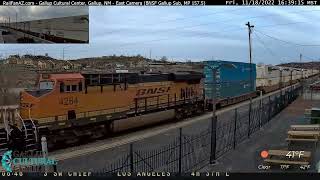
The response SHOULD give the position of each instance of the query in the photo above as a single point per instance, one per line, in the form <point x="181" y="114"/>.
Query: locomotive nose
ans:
<point x="27" y="103"/>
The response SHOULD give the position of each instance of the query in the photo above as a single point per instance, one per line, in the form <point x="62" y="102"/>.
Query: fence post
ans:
<point x="302" y="88"/>
<point x="235" y="128"/>
<point x="131" y="157"/>
<point x="260" y="117"/>
<point x="289" y="94"/>
<point x="269" y="108"/>
<point x="213" y="140"/>
<point x="44" y="148"/>
<point x="249" y="123"/>
<point x="289" y="97"/>
<point x="284" y="100"/>
<point x="180" y="151"/>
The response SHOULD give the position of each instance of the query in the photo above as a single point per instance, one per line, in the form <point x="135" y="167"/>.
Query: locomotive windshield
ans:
<point x="46" y="85"/>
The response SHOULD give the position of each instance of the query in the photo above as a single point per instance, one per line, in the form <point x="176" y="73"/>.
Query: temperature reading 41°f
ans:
<point x="292" y="154"/>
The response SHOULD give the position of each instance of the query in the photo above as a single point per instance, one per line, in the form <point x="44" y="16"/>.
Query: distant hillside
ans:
<point x="123" y="60"/>
<point x="112" y="62"/>
<point x="102" y="64"/>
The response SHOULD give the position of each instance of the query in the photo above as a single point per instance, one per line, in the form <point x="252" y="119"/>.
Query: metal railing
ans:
<point x="22" y="122"/>
<point x="5" y="122"/>
<point x="189" y="152"/>
<point x="35" y="131"/>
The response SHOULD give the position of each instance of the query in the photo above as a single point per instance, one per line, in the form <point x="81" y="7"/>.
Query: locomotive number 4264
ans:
<point x="68" y="101"/>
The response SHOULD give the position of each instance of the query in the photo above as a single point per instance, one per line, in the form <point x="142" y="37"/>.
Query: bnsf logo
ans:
<point x="149" y="91"/>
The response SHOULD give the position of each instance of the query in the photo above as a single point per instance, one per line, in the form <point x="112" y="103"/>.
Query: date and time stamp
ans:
<point x="167" y="3"/>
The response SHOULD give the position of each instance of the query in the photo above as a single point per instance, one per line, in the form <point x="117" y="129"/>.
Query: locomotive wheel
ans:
<point x="98" y="132"/>
<point x="199" y="109"/>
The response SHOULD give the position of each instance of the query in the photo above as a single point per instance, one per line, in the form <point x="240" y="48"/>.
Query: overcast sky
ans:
<point x="196" y="33"/>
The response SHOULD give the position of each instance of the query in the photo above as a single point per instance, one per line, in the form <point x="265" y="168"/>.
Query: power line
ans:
<point x="264" y="45"/>
<point x="288" y="42"/>
<point x="272" y="53"/>
<point x="312" y="59"/>
<point x="209" y="33"/>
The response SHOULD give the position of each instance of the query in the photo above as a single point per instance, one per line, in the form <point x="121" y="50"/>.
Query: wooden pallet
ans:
<point x="307" y="112"/>
<point x="275" y="161"/>
<point x="303" y="136"/>
<point x="308" y="127"/>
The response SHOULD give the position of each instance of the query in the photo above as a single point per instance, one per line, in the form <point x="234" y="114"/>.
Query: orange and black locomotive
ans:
<point x="65" y="106"/>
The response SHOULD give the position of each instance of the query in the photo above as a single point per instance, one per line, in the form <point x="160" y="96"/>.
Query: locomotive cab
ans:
<point x="50" y="89"/>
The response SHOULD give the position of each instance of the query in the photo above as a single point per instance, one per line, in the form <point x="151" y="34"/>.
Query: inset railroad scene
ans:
<point x="44" y="24"/>
<point x="217" y="91"/>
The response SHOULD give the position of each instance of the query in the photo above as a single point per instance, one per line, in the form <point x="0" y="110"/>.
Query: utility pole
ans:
<point x="251" y="81"/>
<point x="150" y="54"/>
<point x="280" y="82"/>
<point x="214" y="118"/>
<point x="24" y="30"/>
<point x="16" y="20"/>
<point x="250" y="53"/>
<point x="62" y="53"/>
<point x="300" y="57"/>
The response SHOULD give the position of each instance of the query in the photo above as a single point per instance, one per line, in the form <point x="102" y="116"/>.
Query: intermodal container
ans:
<point x="232" y="79"/>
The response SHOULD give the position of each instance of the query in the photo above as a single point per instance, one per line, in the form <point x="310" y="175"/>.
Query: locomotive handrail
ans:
<point x="5" y="122"/>
<point x="130" y="109"/>
<point x="24" y="126"/>
<point x="34" y="126"/>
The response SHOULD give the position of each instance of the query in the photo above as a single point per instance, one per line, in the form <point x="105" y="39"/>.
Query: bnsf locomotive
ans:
<point x="66" y="106"/>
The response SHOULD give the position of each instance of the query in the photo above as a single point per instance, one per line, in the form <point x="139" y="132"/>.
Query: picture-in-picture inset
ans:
<point x="44" y="24"/>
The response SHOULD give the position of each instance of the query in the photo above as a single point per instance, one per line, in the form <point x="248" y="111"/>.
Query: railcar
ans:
<point x="271" y="78"/>
<point x="268" y="78"/>
<point x="231" y="83"/>
<point x="296" y="74"/>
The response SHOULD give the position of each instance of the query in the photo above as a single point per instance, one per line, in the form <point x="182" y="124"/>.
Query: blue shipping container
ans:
<point x="232" y="79"/>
